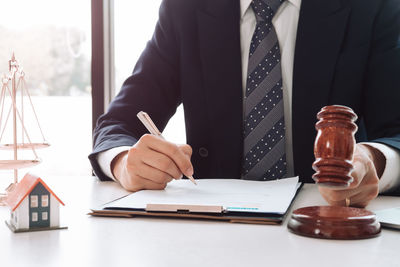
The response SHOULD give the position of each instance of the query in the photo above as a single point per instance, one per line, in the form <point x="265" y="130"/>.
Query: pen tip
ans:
<point x="192" y="179"/>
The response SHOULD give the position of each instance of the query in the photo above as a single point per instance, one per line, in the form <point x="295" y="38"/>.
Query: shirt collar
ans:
<point x="245" y="4"/>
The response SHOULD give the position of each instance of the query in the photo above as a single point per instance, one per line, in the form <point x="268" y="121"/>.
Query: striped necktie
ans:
<point x="264" y="124"/>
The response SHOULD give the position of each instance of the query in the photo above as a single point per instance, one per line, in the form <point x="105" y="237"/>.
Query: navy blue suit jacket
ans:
<point x="347" y="52"/>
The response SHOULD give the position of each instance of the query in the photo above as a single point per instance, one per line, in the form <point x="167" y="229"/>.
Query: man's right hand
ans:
<point x="151" y="163"/>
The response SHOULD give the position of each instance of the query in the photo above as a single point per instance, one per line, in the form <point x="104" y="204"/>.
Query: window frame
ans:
<point x="45" y="216"/>
<point x="44" y="201"/>
<point x="35" y="216"/>
<point x="102" y="72"/>
<point x="34" y="201"/>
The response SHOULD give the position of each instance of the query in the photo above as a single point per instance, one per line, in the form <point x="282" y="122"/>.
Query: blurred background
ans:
<point x="52" y="41"/>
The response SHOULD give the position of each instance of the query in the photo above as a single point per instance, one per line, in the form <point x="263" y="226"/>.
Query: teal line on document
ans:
<point x="240" y="208"/>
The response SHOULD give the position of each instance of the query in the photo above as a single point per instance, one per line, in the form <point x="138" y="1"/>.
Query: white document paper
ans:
<point x="232" y="194"/>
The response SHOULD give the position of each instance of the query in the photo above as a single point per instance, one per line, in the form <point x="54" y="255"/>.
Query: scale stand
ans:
<point x="16" y="77"/>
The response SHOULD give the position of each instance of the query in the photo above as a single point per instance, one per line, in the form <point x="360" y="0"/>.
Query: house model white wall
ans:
<point x="33" y="206"/>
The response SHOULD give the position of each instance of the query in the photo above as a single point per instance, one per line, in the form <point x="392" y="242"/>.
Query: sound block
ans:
<point x="333" y="222"/>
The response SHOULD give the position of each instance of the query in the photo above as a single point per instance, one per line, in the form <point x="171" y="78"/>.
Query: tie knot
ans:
<point x="265" y="9"/>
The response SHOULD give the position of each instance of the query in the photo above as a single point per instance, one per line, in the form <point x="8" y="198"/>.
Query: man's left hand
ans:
<point x="368" y="167"/>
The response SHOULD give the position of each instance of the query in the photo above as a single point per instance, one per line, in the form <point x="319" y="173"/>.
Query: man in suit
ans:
<point x="223" y="59"/>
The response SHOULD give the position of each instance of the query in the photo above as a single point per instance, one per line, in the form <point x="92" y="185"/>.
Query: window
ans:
<point x="44" y="216"/>
<point x="45" y="200"/>
<point x="34" y="201"/>
<point x="34" y="217"/>
<point x="53" y="45"/>
<point x="134" y="24"/>
<point x="120" y="31"/>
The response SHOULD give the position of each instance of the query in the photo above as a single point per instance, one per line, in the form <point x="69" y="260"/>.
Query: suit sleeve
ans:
<point x="382" y="96"/>
<point x="153" y="87"/>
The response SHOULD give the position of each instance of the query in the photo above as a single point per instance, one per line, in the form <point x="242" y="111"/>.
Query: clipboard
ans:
<point x="389" y="218"/>
<point x="194" y="210"/>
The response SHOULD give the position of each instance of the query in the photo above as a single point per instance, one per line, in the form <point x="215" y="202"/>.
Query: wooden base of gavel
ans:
<point x="333" y="149"/>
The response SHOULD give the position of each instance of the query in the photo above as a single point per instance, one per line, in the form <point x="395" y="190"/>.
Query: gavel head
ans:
<point x="334" y="146"/>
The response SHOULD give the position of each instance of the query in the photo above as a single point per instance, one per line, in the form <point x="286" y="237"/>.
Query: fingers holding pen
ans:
<point x="151" y="173"/>
<point x="187" y="150"/>
<point x="152" y="163"/>
<point x="179" y="154"/>
<point x="161" y="163"/>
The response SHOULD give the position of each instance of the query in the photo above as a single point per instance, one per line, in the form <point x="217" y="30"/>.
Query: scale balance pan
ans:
<point x="24" y="146"/>
<point x="17" y="164"/>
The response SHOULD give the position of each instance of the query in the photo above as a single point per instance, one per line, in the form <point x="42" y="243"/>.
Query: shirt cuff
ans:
<point x="106" y="157"/>
<point x="391" y="174"/>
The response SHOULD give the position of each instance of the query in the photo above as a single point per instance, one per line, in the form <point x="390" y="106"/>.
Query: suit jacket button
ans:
<point x="203" y="152"/>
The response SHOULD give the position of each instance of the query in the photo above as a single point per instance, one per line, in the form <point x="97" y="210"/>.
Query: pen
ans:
<point x="152" y="128"/>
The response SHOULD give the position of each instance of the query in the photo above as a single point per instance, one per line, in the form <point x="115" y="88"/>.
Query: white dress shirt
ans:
<point x="285" y="22"/>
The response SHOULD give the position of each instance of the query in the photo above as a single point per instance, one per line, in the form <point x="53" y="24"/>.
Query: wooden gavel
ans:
<point x="333" y="150"/>
<point x="334" y="146"/>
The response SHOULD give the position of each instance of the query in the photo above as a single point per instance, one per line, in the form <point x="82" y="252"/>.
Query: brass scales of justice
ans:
<point x="12" y="96"/>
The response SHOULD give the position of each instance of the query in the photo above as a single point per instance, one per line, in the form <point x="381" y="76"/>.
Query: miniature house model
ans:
<point x="33" y="206"/>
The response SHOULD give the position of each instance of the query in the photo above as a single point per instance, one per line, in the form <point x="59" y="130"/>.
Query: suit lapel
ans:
<point x="219" y="43"/>
<point x="321" y="30"/>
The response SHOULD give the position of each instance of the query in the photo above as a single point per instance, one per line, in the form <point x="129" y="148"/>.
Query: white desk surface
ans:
<point x="96" y="241"/>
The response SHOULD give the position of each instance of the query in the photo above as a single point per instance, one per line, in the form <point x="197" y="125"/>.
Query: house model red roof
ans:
<point x="23" y="188"/>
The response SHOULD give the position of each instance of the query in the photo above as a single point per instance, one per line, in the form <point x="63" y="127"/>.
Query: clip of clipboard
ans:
<point x="183" y="208"/>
